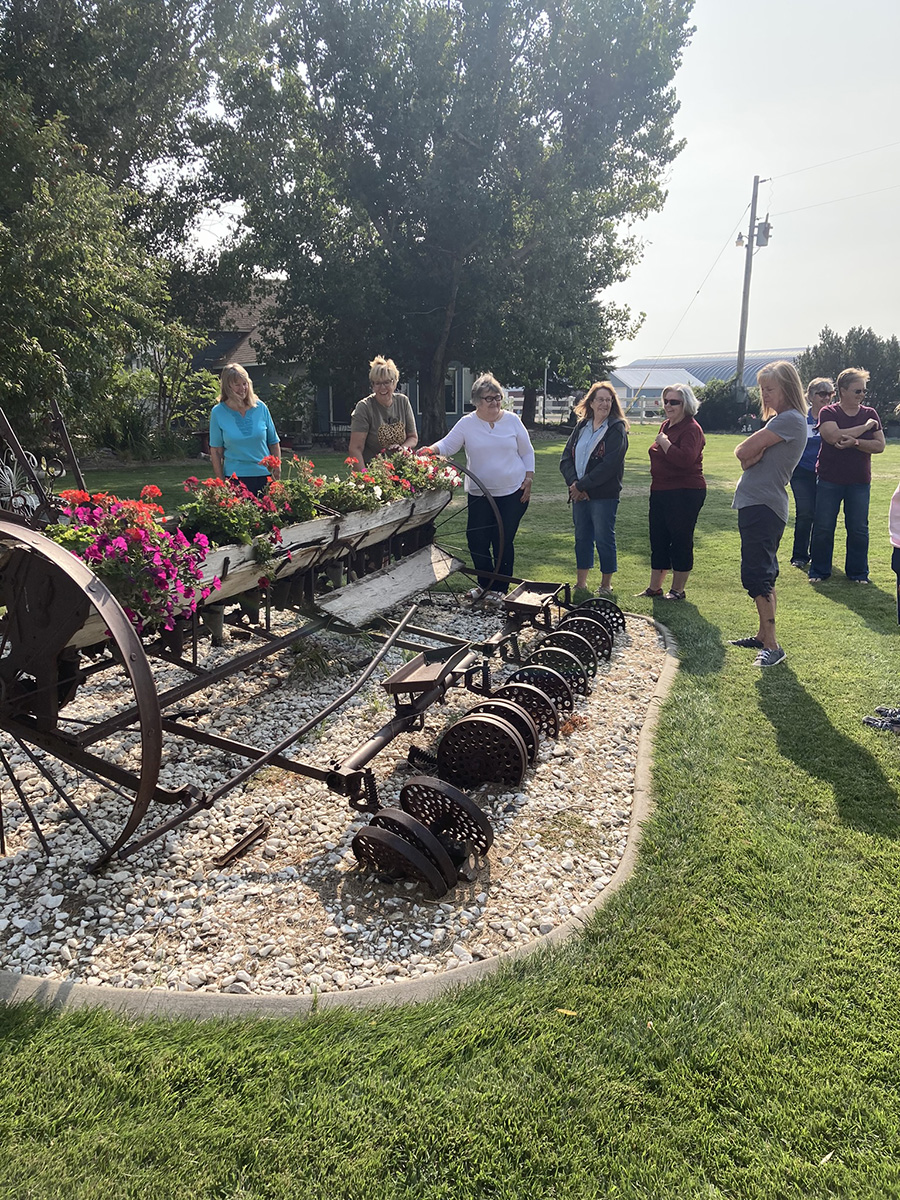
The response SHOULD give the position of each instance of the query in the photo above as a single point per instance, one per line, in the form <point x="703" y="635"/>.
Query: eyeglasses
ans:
<point x="493" y="398"/>
<point x="605" y="399"/>
<point x="673" y="403"/>
<point x="820" y="393"/>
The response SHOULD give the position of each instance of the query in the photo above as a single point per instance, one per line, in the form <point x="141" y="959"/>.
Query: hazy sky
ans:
<point x="779" y="89"/>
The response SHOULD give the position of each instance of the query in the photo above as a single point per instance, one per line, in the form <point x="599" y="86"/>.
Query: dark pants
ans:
<point x="483" y="538"/>
<point x="673" y="517"/>
<point x="761" y="531"/>
<point x="254" y="483"/>
<point x="855" y="499"/>
<point x="803" y="485"/>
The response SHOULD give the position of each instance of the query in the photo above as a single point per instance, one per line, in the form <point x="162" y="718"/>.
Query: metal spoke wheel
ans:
<point x="610" y="612"/>
<point x="385" y="853"/>
<point x="412" y="830"/>
<point x="534" y="701"/>
<point x="451" y="528"/>
<point x="53" y="604"/>
<point x="517" y="716"/>
<point x="591" y="626"/>
<point x="448" y="812"/>
<point x="548" y="681"/>
<point x="482" y="749"/>
<point x="566" y="664"/>
<point x="575" y="643"/>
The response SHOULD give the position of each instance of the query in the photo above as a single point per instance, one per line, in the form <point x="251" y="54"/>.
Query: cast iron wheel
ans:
<point x="48" y="595"/>
<point x="535" y="702"/>
<point x="566" y="664"/>
<point x="382" y="852"/>
<point x="450" y="531"/>
<point x="610" y="612"/>
<point x="575" y="643"/>
<point x="550" y="682"/>
<point x="591" y="626"/>
<point x="482" y="749"/>
<point x="412" y="830"/>
<point x="517" y="716"/>
<point x="448" y="812"/>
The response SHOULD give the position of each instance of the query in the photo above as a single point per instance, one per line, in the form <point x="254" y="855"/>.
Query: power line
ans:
<point x="832" y="161"/>
<point x="838" y="200"/>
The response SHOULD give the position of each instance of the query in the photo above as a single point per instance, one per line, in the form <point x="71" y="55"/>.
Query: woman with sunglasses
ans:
<point x="851" y="434"/>
<point x="803" y="481"/>
<point x="677" y="492"/>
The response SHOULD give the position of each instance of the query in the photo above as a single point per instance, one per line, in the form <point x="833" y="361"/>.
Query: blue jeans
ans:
<point x="595" y="524"/>
<point x="803" y="485"/>
<point x="829" y="497"/>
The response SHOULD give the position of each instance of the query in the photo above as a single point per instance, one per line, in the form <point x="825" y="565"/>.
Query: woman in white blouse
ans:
<point x="500" y="455"/>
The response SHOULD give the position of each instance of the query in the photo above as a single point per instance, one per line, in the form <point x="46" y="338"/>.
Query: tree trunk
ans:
<point x="529" y="407"/>
<point x="434" y="416"/>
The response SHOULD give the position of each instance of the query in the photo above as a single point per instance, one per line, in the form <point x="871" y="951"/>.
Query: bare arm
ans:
<point x="869" y="445"/>
<point x="832" y="433"/>
<point x="751" y="449"/>
<point x="357" y="447"/>
<point x="217" y="461"/>
<point x="275" y="452"/>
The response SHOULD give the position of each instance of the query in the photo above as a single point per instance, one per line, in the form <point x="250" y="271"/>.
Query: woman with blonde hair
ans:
<point x="592" y="465"/>
<point x="768" y="458"/>
<point x="242" y="432"/>
<point x="383" y="421"/>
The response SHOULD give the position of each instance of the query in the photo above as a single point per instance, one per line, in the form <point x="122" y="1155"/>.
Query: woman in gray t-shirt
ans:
<point x="767" y="459"/>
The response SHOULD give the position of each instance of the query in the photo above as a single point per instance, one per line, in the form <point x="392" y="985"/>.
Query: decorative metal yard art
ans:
<point x="62" y="632"/>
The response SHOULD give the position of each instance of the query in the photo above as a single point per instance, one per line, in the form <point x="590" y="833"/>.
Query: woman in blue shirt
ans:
<point x="242" y="433"/>
<point x="803" y="481"/>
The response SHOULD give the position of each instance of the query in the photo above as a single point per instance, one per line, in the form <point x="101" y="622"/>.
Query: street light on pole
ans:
<point x="758" y="235"/>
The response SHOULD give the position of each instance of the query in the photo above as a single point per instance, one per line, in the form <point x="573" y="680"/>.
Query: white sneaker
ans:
<point x="475" y="594"/>
<point x="495" y="598"/>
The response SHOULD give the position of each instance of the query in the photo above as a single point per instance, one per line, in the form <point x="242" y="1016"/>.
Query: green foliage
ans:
<point x="448" y="181"/>
<point x="858" y="348"/>
<point x="722" y="407"/>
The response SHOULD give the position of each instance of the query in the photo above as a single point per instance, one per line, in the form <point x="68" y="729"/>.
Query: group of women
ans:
<point x="500" y="470"/>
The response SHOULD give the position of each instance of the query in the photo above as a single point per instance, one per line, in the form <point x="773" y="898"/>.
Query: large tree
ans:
<point x="858" y="348"/>
<point x="449" y="181"/>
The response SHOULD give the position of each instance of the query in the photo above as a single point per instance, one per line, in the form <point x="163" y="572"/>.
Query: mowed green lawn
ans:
<point x="727" y="1026"/>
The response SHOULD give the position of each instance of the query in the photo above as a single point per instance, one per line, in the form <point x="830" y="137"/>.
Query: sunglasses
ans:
<point x="673" y="402"/>
<point x="824" y="393"/>
<point x="860" y="391"/>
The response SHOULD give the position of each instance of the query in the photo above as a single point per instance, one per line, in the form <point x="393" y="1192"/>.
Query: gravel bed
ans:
<point x="296" y="915"/>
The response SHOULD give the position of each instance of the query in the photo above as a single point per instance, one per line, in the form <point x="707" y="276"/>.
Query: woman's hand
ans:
<point x="526" y="488"/>
<point x="663" y="441"/>
<point x="575" y="493"/>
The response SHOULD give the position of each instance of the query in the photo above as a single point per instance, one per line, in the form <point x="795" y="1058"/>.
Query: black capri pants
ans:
<point x="673" y="516"/>
<point x="760" y="529"/>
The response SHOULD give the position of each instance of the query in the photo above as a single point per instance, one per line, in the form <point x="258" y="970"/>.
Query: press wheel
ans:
<point x="517" y="716"/>
<point x="447" y="812"/>
<point x="548" y="681"/>
<point x="386" y="853"/>
<point x="482" y="749"/>
<point x="419" y="835"/>
<point x="591" y="626"/>
<point x="566" y="664"/>
<point x="575" y="643"/>
<point x="47" y="595"/>
<point x="535" y="702"/>
<point x="610" y="612"/>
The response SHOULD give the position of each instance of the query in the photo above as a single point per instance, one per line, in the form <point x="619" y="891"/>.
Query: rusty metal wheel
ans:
<point x="550" y="682"/>
<point x="517" y="716"/>
<point x="382" y="852"/>
<point x="412" y="830"/>
<point x="590" y="625"/>
<point x="575" y="643"/>
<point x="448" y="812"/>
<point x="482" y="749"/>
<point x="451" y="531"/>
<point x="611" y="613"/>
<point x="47" y="597"/>
<point x="534" y="701"/>
<point x="566" y="664"/>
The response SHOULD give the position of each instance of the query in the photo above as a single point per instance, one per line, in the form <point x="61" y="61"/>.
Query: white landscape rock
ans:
<point x="295" y="915"/>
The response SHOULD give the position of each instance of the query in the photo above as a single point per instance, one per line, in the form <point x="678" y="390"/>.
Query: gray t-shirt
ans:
<point x="766" y="481"/>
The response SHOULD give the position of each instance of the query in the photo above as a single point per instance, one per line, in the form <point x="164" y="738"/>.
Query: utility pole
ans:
<point x="745" y="301"/>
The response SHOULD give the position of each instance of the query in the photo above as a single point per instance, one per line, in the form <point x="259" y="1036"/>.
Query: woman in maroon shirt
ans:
<point x="677" y="492"/>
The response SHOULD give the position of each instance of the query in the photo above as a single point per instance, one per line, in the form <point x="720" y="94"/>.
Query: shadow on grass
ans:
<point x="863" y="795"/>
<point x="872" y="604"/>
<point x="700" y="647"/>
